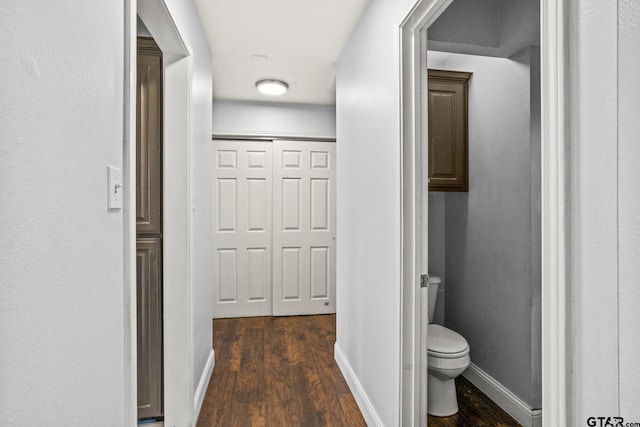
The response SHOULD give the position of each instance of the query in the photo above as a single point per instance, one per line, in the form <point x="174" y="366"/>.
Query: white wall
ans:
<point x="605" y="202"/>
<point x="141" y="29"/>
<point x="437" y="249"/>
<point x="188" y="23"/>
<point x="273" y="119"/>
<point x="594" y="273"/>
<point x="489" y="231"/>
<point x="61" y="262"/>
<point x="368" y="209"/>
<point x="629" y="206"/>
<point x="536" y="225"/>
<point x="61" y="268"/>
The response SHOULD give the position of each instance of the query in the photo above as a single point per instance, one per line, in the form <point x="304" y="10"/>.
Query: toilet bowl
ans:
<point x="447" y="357"/>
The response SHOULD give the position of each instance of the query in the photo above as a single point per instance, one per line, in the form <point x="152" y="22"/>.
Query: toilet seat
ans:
<point x="445" y="343"/>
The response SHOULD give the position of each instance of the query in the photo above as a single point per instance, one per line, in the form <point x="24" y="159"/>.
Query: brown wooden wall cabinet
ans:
<point x="448" y="112"/>
<point x="149" y="229"/>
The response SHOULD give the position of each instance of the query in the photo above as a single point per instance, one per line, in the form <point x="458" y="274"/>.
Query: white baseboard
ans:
<point x="508" y="401"/>
<point x="370" y="416"/>
<point x="201" y="391"/>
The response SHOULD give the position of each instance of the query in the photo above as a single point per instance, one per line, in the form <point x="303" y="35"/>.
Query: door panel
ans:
<point x="227" y="211"/>
<point x="149" y="297"/>
<point x="303" y="228"/>
<point x="227" y="275"/>
<point x="257" y="270"/>
<point x="149" y="229"/>
<point x="291" y="201"/>
<point x="290" y="274"/>
<point x="319" y="204"/>
<point x="319" y="273"/>
<point x="149" y="136"/>
<point x="242" y="235"/>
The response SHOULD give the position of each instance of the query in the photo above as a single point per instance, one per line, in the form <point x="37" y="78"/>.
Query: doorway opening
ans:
<point x="178" y="390"/>
<point x="484" y="241"/>
<point x="149" y="241"/>
<point x="412" y="56"/>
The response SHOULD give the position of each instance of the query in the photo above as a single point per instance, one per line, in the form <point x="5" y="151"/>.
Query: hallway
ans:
<point x="277" y="371"/>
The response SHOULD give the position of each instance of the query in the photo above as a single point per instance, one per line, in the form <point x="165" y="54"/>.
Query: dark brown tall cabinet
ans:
<point x="448" y="130"/>
<point x="149" y="229"/>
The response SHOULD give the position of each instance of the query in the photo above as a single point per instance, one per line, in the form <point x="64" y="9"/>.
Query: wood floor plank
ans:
<point x="277" y="371"/>
<point x="248" y="395"/>
<point x="475" y="409"/>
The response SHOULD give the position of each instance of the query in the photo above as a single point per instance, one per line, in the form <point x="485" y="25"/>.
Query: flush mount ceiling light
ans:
<point x="272" y="87"/>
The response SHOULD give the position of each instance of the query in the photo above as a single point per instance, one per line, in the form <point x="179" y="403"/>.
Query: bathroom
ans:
<point x="484" y="244"/>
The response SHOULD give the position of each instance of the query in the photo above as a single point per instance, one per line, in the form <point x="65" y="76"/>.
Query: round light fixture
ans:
<point x="272" y="87"/>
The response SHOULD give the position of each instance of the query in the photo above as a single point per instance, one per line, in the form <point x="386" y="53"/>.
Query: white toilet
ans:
<point x="448" y="357"/>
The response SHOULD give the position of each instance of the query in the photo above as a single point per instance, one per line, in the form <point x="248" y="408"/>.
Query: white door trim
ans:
<point x="269" y="137"/>
<point x="178" y="348"/>
<point x="555" y="211"/>
<point x="412" y="107"/>
<point x="129" y="215"/>
<point x="556" y="334"/>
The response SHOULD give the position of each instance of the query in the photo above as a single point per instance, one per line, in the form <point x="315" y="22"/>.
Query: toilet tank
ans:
<point x="434" y="284"/>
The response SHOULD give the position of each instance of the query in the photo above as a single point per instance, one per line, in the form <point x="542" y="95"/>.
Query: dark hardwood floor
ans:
<point x="277" y="371"/>
<point x="280" y="372"/>
<point x="474" y="410"/>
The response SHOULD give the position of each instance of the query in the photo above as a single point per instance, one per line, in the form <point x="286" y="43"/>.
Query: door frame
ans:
<point x="178" y="390"/>
<point x="555" y="207"/>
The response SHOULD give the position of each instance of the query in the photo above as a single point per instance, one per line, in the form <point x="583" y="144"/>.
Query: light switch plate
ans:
<point x="114" y="185"/>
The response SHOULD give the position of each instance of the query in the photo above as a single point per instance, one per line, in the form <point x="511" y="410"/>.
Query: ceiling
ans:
<point x="297" y="41"/>
<point x="497" y="28"/>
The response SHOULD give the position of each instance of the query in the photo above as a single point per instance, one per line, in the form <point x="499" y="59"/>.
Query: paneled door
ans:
<point x="242" y="198"/>
<point x="149" y="229"/>
<point x="304" y="228"/>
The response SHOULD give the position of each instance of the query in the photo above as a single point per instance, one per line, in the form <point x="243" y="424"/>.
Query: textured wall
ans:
<point x="61" y="252"/>
<point x="437" y="249"/>
<point x="61" y="275"/>
<point x="274" y="118"/>
<point x="605" y="207"/>
<point x="594" y="210"/>
<point x="629" y="206"/>
<point x="368" y="197"/>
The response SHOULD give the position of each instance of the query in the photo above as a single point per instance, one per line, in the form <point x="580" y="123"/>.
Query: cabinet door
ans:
<point x="149" y="296"/>
<point x="149" y="139"/>
<point x="448" y="131"/>
<point x="149" y="229"/>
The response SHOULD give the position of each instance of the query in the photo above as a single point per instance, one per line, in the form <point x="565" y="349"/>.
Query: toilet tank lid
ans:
<point x="434" y="279"/>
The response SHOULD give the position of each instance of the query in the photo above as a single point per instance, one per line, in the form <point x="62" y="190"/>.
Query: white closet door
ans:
<point x="304" y="277"/>
<point x="242" y="197"/>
